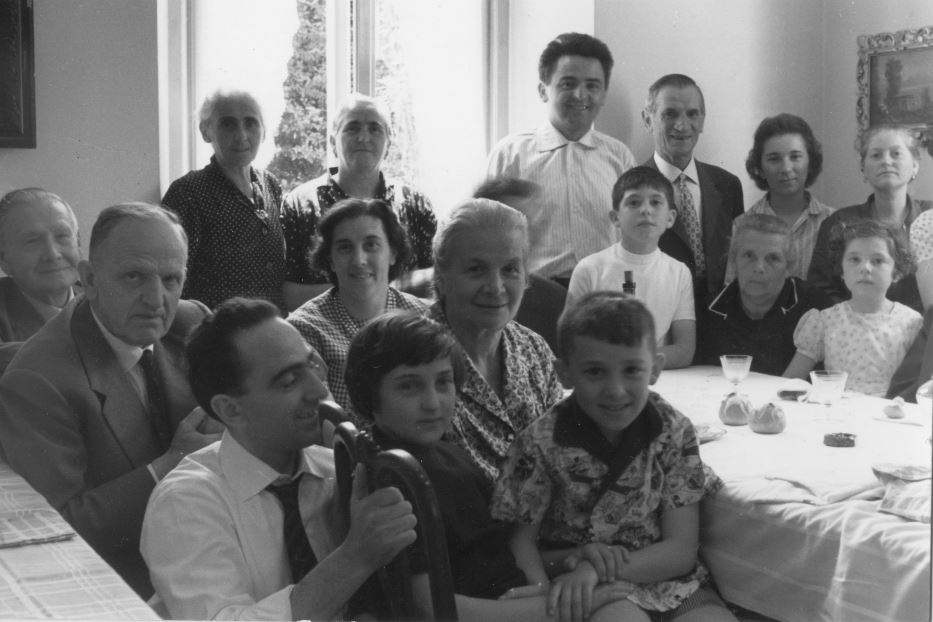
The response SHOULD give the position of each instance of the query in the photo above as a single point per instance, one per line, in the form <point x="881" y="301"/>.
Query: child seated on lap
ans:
<point x="643" y="209"/>
<point x="608" y="483"/>
<point x="403" y="371"/>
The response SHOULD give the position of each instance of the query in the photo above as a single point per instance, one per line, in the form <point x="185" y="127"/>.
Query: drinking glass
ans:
<point x="828" y="387"/>
<point x="735" y="368"/>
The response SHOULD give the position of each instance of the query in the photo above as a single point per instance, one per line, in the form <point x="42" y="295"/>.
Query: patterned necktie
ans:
<point x="158" y="407"/>
<point x="301" y="558"/>
<point x="688" y="215"/>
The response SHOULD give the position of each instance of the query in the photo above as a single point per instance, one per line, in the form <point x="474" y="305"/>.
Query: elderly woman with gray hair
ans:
<point x="361" y="137"/>
<point x="230" y="210"/>
<point x="757" y="312"/>
<point x="480" y="276"/>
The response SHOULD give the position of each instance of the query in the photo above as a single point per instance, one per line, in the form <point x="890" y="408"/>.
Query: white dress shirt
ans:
<point x="576" y="179"/>
<point x="212" y="536"/>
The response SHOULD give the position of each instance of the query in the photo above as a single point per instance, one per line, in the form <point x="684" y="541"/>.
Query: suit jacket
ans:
<point x="19" y="320"/>
<point x="720" y="203"/>
<point x="73" y="425"/>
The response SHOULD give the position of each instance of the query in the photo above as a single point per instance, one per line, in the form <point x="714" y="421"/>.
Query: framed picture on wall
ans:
<point x="895" y="81"/>
<point x="17" y="75"/>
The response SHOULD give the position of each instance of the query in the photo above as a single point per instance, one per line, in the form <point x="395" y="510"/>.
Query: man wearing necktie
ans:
<point x="250" y="528"/>
<point x="708" y="198"/>
<point x="95" y="407"/>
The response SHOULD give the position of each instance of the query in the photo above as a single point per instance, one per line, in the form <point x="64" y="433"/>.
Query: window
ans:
<point x="426" y="58"/>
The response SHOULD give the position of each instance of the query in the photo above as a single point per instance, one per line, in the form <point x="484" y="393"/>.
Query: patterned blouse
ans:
<point x="329" y="328"/>
<point x="870" y="346"/>
<point x="486" y="425"/>
<point x="554" y="474"/>
<point x="305" y="206"/>
<point x="235" y="244"/>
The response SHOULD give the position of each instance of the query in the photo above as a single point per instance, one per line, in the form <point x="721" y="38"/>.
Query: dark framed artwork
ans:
<point x="17" y="75"/>
<point x="895" y="82"/>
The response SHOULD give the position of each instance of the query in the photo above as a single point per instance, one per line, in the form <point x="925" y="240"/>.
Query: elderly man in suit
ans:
<point x="708" y="198"/>
<point x="96" y="408"/>
<point x="39" y="253"/>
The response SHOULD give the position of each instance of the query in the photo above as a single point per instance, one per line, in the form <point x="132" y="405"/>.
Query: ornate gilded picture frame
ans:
<point x="895" y="81"/>
<point x="17" y="75"/>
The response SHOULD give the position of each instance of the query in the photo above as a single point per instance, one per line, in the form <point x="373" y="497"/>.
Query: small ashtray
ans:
<point x="839" y="439"/>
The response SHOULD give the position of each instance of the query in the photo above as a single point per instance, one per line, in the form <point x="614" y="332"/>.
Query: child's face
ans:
<point x="610" y="381"/>
<point x="641" y="217"/>
<point x="867" y="267"/>
<point x="416" y="403"/>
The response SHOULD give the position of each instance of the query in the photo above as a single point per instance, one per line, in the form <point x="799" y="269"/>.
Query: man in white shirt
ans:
<point x="217" y="534"/>
<point x="708" y="198"/>
<point x="574" y="164"/>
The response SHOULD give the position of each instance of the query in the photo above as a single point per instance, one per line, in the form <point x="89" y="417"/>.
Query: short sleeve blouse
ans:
<point x="869" y="346"/>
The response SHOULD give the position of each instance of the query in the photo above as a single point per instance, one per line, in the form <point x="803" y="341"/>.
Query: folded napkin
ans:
<point x="906" y="490"/>
<point x="21" y="527"/>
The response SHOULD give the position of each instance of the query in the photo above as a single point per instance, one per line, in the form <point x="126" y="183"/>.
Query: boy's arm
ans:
<point x="524" y="545"/>
<point x="683" y="344"/>
<point x="674" y="555"/>
<point x="799" y="366"/>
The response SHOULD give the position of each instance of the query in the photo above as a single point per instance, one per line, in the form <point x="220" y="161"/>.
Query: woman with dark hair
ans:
<point x="890" y="160"/>
<point x="785" y="160"/>
<point x="361" y="247"/>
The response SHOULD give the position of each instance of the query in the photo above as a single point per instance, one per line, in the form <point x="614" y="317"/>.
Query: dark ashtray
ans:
<point x="839" y="439"/>
<point x="792" y="395"/>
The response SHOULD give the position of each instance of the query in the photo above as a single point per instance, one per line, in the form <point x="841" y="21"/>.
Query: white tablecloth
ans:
<point x="59" y="579"/>
<point x="796" y="533"/>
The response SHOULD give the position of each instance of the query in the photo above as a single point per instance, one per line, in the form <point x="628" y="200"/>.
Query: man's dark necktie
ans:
<point x="158" y="406"/>
<point x="301" y="558"/>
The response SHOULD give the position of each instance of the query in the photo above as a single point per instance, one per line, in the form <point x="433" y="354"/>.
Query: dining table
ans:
<point x="803" y="529"/>
<point x="48" y="571"/>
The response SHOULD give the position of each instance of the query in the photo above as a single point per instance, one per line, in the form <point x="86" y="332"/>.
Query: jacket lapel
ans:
<point x="121" y="407"/>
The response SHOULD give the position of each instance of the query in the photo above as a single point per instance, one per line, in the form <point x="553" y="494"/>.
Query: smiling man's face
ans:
<point x="574" y="94"/>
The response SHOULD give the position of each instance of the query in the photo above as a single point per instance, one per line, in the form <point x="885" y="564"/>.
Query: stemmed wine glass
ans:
<point x="735" y="368"/>
<point x="828" y="386"/>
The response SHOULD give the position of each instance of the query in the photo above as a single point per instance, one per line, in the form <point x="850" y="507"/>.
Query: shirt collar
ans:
<point x="729" y="301"/>
<point x="45" y="310"/>
<point x="574" y="429"/>
<point x="248" y="475"/>
<point x="672" y="172"/>
<point x="127" y="355"/>
<point x="549" y="138"/>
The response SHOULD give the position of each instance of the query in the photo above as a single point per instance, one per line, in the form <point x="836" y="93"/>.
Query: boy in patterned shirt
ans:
<point x="607" y="485"/>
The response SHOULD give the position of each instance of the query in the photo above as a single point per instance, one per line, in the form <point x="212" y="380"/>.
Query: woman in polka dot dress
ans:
<point x="231" y="210"/>
<point x="867" y="335"/>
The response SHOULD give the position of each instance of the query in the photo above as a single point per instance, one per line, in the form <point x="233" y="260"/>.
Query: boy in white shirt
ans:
<point x="643" y="209"/>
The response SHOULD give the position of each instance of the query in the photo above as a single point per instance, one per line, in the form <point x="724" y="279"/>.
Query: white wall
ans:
<point x="96" y="106"/>
<point x="753" y="58"/>
<point x="844" y="21"/>
<point x="532" y="23"/>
